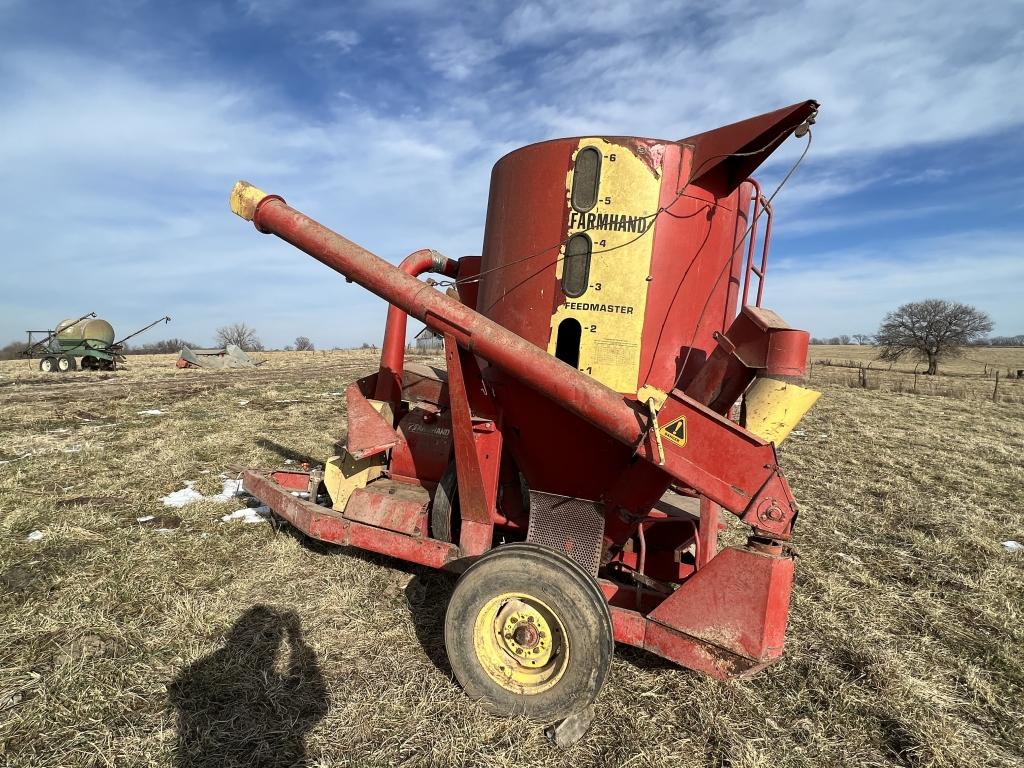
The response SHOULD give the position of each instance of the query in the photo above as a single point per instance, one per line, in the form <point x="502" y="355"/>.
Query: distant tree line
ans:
<point x="165" y="347"/>
<point x="861" y="338"/>
<point x="1000" y="341"/>
<point x="12" y="351"/>
<point x="857" y="338"/>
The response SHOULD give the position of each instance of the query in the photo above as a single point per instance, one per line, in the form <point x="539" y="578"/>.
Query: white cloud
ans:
<point x="265" y="10"/>
<point x="458" y="54"/>
<point x="850" y="291"/>
<point x="120" y="173"/>
<point x="887" y="76"/>
<point x="122" y="185"/>
<point x="546" y="21"/>
<point x="342" y="39"/>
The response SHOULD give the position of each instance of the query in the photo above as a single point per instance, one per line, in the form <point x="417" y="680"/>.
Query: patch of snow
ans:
<point x="798" y="432"/>
<point x="35" y="536"/>
<point x="72" y="449"/>
<point x="186" y="495"/>
<point x="289" y="461"/>
<point x="248" y="515"/>
<point x="145" y="519"/>
<point x="243" y="402"/>
<point x="60" y="431"/>
<point x="231" y="489"/>
<point x="151" y="412"/>
<point x="301" y="494"/>
<point x="1012" y="546"/>
<point x="331" y="394"/>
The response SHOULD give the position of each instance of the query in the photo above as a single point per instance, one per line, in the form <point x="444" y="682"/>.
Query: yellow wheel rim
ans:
<point x="521" y="643"/>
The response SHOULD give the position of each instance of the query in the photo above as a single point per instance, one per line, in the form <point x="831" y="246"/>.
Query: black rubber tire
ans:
<point x="444" y="510"/>
<point x="48" y="364"/>
<point x="574" y="597"/>
<point x="66" y="363"/>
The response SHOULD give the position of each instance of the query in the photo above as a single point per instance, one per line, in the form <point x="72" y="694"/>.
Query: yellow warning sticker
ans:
<point x="675" y="431"/>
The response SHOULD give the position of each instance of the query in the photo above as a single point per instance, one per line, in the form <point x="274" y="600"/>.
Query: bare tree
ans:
<point x="844" y="339"/>
<point x="862" y="338"/>
<point x="303" y="344"/>
<point x="933" y="329"/>
<point x="241" y="335"/>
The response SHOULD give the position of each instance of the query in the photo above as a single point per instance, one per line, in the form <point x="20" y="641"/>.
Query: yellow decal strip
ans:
<point x="610" y="307"/>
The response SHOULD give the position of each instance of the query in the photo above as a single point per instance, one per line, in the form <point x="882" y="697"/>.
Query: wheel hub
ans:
<point x="520" y="643"/>
<point x="525" y="633"/>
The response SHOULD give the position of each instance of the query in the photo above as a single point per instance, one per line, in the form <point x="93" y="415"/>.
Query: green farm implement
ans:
<point x="87" y="342"/>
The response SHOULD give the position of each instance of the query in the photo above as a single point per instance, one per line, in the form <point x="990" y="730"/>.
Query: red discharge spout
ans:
<point x="392" y="354"/>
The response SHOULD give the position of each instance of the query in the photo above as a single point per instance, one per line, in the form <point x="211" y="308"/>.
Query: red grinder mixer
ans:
<point x="573" y="458"/>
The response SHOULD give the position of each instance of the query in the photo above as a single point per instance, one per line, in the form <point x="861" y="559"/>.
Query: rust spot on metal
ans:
<point x="651" y="154"/>
<point x="765" y="545"/>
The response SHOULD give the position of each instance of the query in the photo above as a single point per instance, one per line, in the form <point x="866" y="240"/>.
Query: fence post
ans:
<point x="995" y="390"/>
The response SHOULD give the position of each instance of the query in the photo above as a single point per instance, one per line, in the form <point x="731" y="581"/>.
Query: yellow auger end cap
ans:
<point x="244" y="199"/>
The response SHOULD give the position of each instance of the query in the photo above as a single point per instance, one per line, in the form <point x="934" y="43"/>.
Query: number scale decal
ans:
<point x="621" y="229"/>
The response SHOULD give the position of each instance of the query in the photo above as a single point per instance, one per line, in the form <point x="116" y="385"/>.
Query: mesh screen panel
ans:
<point x="569" y="525"/>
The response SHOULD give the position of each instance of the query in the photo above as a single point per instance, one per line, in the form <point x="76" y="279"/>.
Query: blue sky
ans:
<point x="124" y="124"/>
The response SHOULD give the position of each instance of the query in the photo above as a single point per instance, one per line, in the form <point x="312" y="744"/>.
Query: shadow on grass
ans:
<point x="287" y="453"/>
<point x="253" y="701"/>
<point x="427" y="595"/>
<point x="641" y="658"/>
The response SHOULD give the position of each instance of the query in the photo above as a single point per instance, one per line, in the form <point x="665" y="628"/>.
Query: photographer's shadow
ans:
<point x="253" y="701"/>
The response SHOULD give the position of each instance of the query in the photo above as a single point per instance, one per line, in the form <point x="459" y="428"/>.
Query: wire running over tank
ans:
<point x="665" y="209"/>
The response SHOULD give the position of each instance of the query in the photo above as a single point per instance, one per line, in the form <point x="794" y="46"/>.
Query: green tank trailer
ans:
<point x="87" y="342"/>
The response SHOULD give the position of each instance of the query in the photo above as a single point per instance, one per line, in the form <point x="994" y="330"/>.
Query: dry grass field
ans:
<point x="185" y="640"/>
<point x="969" y="376"/>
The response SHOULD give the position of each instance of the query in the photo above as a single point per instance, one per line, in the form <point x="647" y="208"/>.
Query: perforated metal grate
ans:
<point x="569" y="525"/>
